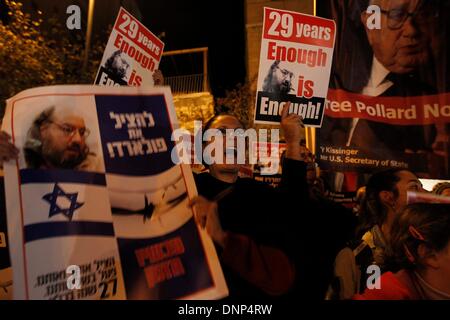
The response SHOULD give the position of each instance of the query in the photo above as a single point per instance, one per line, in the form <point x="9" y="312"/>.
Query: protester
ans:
<point x="336" y="225"/>
<point x="270" y="242"/>
<point x="420" y="241"/>
<point x="318" y="249"/>
<point x="360" y="194"/>
<point x="248" y="220"/>
<point x="385" y="195"/>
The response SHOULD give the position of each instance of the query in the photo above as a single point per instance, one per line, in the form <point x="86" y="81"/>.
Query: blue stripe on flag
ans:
<point x="59" y="175"/>
<point x="38" y="231"/>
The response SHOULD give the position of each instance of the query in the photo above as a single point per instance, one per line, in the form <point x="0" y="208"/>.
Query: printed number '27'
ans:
<point x="285" y="20"/>
<point x="106" y="288"/>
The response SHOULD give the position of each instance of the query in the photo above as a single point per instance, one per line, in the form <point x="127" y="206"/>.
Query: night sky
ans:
<point x="181" y="24"/>
<point x="199" y="23"/>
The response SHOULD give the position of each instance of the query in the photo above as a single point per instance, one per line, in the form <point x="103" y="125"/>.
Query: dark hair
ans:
<point x="33" y="145"/>
<point x="419" y="223"/>
<point x="211" y="120"/>
<point x="109" y="64"/>
<point x="373" y="211"/>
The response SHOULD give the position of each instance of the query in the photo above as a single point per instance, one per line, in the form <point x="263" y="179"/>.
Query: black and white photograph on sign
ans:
<point x="132" y="53"/>
<point x="294" y="66"/>
<point x="278" y="80"/>
<point x="117" y="66"/>
<point x="276" y="152"/>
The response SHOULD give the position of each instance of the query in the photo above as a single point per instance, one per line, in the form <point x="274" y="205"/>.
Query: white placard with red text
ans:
<point x="295" y="65"/>
<point x="132" y="54"/>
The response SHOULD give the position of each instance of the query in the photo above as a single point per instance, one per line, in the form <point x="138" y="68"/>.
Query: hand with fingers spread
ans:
<point x="207" y="216"/>
<point x="292" y="125"/>
<point x="7" y="150"/>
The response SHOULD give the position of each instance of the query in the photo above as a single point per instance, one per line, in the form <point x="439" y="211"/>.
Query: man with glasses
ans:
<point x="402" y="44"/>
<point x="401" y="53"/>
<point x="402" y="61"/>
<point x="397" y="59"/>
<point x="57" y="139"/>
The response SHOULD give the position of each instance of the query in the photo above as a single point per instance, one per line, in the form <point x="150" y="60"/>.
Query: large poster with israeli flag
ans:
<point x="294" y="65"/>
<point x="96" y="206"/>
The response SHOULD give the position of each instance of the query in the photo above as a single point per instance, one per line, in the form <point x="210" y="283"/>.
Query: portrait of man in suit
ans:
<point x="401" y="48"/>
<point x="404" y="57"/>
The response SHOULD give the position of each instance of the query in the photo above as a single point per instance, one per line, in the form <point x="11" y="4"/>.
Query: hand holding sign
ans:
<point x="7" y="150"/>
<point x="292" y="125"/>
<point x="207" y="217"/>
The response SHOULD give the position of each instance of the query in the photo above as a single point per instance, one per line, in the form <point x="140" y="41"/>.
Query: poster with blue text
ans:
<point x="96" y="206"/>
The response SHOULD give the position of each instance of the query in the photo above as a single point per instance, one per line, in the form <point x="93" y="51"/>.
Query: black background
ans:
<point x="218" y="25"/>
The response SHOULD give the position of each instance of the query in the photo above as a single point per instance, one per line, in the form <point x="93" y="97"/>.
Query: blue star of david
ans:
<point x="52" y="197"/>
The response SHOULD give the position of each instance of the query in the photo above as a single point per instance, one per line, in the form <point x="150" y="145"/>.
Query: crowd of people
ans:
<point x="291" y="241"/>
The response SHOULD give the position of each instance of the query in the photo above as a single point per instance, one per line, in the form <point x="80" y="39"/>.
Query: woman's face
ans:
<point x="408" y="182"/>
<point x="222" y="171"/>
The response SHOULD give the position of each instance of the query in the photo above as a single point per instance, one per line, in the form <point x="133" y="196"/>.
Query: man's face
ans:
<point x="63" y="141"/>
<point x="408" y="182"/>
<point x="226" y="172"/>
<point x="401" y="48"/>
<point x="121" y="65"/>
<point x="282" y="79"/>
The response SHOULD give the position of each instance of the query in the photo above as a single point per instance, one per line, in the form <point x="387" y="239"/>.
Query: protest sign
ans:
<point x="295" y="65"/>
<point x="96" y="196"/>
<point x="402" y="118"/>
<point x="263" y="152"/>
<point x="379" y="114"/>
<point x="132" y="54"/>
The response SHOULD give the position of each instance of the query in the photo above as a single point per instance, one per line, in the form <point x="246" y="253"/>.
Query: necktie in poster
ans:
<point x="388" y="102"/>
<point x="96" y="197"/>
